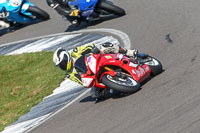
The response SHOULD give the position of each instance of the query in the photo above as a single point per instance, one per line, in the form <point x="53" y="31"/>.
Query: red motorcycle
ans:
<point x="116" y="71"/>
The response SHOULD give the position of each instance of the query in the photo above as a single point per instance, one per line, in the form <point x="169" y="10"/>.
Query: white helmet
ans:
<point x="62" y="59"/>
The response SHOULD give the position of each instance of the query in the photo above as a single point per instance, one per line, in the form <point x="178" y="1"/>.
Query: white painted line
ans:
<point x="66" y="106"/>
<point x="21" y="127"/>
<point x="123" y="36"/>
<point x="42" y="44"/>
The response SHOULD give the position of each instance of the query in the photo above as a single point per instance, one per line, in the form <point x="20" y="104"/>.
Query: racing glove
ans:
<point x="132" y="53"/>
<point x="75" y="77"/>
<point x="74" y="13"/>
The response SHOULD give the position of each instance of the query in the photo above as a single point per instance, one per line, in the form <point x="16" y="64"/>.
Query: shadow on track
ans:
<point x="17" y="27"/>
<point x="91" y="23"/>
<point x="115" y="94"/>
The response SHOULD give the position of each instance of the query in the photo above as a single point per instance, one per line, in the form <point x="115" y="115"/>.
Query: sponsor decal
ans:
<point x="108" y="57"/>
<point x="89" y="59"/>
<point x="140" y="72"/>
<point x="120" y="56"/>
<point x="87" y="81"/>
<point x="133" y="64"/>
<point x="92" y="63"/>
<point x="133" y="72"/>
<point x="147" y="69"/>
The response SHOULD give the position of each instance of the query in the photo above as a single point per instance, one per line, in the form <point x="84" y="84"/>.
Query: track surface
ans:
<point x="170" y="102"/>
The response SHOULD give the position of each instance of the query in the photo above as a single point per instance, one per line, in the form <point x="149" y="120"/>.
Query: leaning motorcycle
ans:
<point x="21" y="11"/>
<point x="92" y="9"/>
<point x="117" y="71"/>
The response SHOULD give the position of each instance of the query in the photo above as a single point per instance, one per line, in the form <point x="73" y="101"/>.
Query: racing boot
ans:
<point x="4" y="25"/>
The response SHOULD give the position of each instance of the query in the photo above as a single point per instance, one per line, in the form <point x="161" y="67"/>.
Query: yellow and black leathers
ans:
<point x="75" y="54"/>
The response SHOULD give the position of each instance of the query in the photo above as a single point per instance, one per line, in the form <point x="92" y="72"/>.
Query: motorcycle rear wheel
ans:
<point x="128" y="85"/>
<point x="38" y="13"/>
<point x="111" y="8"/>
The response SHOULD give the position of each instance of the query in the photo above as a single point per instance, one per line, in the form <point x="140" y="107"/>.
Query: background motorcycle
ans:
<point x="116" y="71"/>
<point x="92" y="9"/>
<point x="21" y="11"/>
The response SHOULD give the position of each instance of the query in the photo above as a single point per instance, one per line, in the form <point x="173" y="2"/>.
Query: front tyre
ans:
<point x="111" y="8"/>
<point x="155" y="65"/>
<point x="125" y="85"/>
<point x="38" y="13"/>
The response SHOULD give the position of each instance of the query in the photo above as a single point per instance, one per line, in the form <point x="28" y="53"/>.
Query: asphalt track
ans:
<point x="168" y="103"/>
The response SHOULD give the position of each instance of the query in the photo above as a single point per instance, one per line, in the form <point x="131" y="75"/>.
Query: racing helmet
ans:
<point x="62" y="59"/>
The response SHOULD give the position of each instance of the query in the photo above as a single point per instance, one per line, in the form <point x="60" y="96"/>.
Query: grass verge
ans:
<point x="24" y="81"/>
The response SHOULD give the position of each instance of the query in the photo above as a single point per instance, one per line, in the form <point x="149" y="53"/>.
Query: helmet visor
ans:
<point x="63" y="64"/>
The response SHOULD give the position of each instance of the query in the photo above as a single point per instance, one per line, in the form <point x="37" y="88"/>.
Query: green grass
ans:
<point x="24" y="81"/>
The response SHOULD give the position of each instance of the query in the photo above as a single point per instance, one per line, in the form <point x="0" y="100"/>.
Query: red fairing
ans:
<point x="96" y="62"/>
<point x="139" y="73"/>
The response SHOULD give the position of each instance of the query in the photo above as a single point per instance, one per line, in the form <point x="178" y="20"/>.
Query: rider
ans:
<point x="62" y="7"/>
<point x="65" y="60"/>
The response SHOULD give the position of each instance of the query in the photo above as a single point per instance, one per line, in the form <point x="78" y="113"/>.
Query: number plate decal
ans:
<point x="15" y="3"/>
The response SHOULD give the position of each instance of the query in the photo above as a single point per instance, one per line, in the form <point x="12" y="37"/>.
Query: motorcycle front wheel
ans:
<point x="155" y="65"/>
<point x="109" y="7"/>
<point x="121" y="83"/>
<point x="38" y="13"/>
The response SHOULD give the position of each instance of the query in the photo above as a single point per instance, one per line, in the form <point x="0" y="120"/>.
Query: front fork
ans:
<point x="24" y="8"/>
<point x="109" y="71"/>
<point x="85" y="8"/>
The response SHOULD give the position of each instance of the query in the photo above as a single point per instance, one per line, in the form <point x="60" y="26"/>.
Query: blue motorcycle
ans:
<point x="21" y="11"/>
<point x="89" y="9"/>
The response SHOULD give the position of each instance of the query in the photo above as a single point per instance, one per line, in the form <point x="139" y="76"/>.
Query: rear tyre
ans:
<point x="38" y="13"/>
<point x="128" y="85"/>
<point x="111" y="8"/>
